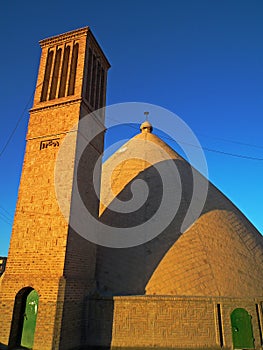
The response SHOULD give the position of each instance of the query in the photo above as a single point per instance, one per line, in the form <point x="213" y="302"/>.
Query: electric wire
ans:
<point x="204" y="148"/>
<point x="5" y="220"/>
<point x="218" y="151"/>
<point x="231" y="141"/>
<point x="25" y="111"/>
<point x="6" y="211"/>
<point x="6" y="216"/>
<point x="166" y="137"/>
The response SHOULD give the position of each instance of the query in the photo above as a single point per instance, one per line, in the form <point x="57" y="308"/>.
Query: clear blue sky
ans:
<point x="201" y="59"/>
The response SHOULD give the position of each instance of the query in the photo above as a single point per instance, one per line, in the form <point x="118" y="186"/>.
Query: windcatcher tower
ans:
<point x="50" y="268"/>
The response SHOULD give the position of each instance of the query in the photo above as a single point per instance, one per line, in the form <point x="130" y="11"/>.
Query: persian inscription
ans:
<point x="49" y="143"/>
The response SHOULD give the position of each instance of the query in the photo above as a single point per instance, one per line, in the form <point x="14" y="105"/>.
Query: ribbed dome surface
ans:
<point x="221" y="254"/>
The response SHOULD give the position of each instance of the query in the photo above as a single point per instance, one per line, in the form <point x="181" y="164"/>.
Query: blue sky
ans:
<point x="201" y="59"/>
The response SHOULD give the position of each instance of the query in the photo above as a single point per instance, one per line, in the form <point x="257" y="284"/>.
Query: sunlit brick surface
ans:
<point x="175" y="291"/>
<point x="45" y="254"/>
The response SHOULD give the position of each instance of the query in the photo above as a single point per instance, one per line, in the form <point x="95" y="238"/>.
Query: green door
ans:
<point x="30" y="319"/>
<point x="242" y="332"/>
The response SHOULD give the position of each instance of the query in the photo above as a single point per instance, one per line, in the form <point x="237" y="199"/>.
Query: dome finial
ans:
<point x="146" y="126"/>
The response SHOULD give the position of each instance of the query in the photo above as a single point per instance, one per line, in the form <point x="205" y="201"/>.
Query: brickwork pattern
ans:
<point x="217" y="255"/>
<point x="44" y="253"/>
<point x="210" y="259"/>
<point x="165" y="322"/>
<point x="220" y="255"/>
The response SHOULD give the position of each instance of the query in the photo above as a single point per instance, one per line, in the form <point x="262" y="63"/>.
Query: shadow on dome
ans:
<point x="155" y="267"/>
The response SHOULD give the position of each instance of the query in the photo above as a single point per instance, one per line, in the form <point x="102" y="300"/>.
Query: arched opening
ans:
<point x="73" y="70"/>
<point x="54" y="81"/>
<point x="242" y="332"/>
<point x="64" y="72"/>
<point x="47" y="76"/>
<point x="24" y="318"/>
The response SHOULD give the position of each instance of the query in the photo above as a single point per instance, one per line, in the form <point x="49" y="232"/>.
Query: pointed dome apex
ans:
<point x="146" y="127"/>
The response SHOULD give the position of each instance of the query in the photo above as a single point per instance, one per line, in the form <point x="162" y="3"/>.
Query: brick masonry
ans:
<point x="167" y="322"/>
<point x="171" y="286"/>
<point x="45" y="254"/>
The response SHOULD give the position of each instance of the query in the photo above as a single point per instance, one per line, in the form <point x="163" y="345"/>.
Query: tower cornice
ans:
<point x="73" y="34"/>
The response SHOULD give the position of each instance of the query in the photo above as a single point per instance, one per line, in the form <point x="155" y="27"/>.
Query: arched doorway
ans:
<point x="24" y="318"/>
<point x="29" y="320"/>
<point x="242" y="332"/>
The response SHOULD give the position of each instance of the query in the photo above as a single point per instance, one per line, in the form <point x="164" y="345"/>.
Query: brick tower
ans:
<point x="46" y="256"/>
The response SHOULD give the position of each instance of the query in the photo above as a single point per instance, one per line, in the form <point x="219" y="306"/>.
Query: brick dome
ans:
<point x="220" y="254"/>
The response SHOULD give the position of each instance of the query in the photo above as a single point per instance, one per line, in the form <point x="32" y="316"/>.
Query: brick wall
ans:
<point x="45" y="254"/>
<point x="166" y="322"/>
